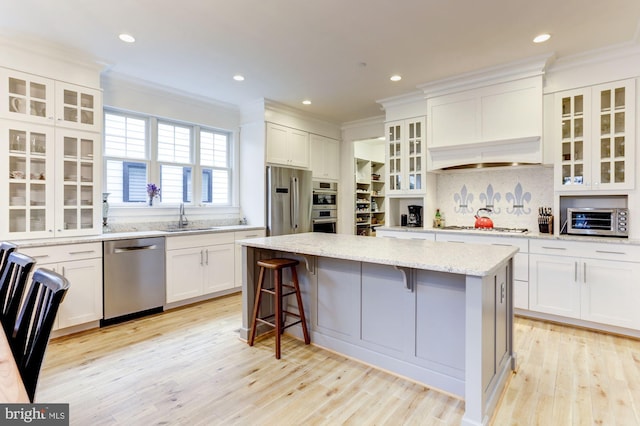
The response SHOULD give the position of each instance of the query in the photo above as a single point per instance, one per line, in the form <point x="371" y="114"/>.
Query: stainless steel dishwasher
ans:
<point x="134" y="278"/>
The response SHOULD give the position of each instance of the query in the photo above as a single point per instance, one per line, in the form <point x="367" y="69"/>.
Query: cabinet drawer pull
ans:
<point x="250" y="236"/>
<point x="584" y="272"/>
<point x="610" y="252"/>
<point x="82" y="252"/>
<point x="553" y="248"/>
<point x="575" y="271"/>
<point x="42" y="256"/>
<point x="501" y="245"/>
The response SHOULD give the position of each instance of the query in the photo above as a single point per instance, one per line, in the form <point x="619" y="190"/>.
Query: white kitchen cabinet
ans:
<point x="197" y="265"/>
<point x="595" y="127"/>
<point x="587" y="281"/>
<point x="243" y="235"/>
<point x="405" y="156"/>
<point x="53" y="186"/>
<point x="325" y="157"/>
<point x="41" y="100"/>
<point x="287" y="146"/>
<point x="520" y="260"/>
<point x="81" y="264"/>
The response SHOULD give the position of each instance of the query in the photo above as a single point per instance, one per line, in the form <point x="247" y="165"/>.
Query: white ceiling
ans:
<point x="290" y="50"/>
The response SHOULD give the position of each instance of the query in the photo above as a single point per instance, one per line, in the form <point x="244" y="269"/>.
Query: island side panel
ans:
<point x="489" y="324"/>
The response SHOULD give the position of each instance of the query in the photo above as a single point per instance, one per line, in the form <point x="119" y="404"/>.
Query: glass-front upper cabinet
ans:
<point x="27" y="191"/>
<point x="26" y="97"/>
<point x="78" y="107"/>
<point x="77" y="179"/>
<point x="394" y="156"/>
<point x="594" y="127"/>
<point x="405" y="156"/>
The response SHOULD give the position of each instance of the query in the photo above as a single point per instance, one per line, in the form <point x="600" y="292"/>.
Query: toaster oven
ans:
<point x="612" y="222"/>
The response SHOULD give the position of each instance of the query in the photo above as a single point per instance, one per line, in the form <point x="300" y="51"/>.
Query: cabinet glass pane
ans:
<point x="38" y="108"/>
<point x="38" y="143"/>
<point x="605" y="100"/>
<point x="70" y="114"/>
<point x="70" y="195"/>
<point x="70" y="219"/>
<point x="86" y="172"/>
<point x="577" y="128"/>
<point x="412" y="131"/>
<point x="37" y="222"/>
<point x="86" y="117"/>
<point x="86" y="149"/>
<point x="37" y="194"/>
<point x="398" y="182"/>
<point x="412" y="148"/>
<point x="605" y="148"/>
<point x="566" y="174"/>
<point x="17" y="221"/>
<point x="412" y="167"/>
<point x="18" y="141"/>
<point x="70" y="97"/>
<point x="86" y="100"/>
<point x="619" y="171"/>
<point x="605" y="172"/>
<point x="17" y="194"/>
<point x="18" y="105"/>
<point x="17" y="86"/>
<point x="619" y="100"/>
<point x="418" y="130"/>
<point x="619" y="122"/>
<point x="566" y="106"/>
<point x="566" y="129"/>
<point x="37" y="169"/>
<point x="578" y="105"/>
<point x="605" y="124"/>
<point x="86" y="195"/>
<point x="418" y="147"/>
<point x="566" y="151"/>
<point x="578" y="176"/>
<point x="578" y="151"/>
<point x="619" y="146"/>
<point x="38" y="91"/>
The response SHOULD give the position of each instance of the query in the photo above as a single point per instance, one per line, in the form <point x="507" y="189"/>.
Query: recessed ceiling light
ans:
<point x="306" y="102"/>
<point x="541" y="38"/>
<point x="395" y="78"/>
<point x="238" y="77"/>
<point x="127" y="38"/>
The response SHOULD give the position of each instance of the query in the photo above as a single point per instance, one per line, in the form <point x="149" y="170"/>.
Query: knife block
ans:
<point x="546" y="228"/>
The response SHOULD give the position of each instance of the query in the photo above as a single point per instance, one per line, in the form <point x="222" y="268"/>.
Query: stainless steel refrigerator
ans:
<point x="289" y="198"/>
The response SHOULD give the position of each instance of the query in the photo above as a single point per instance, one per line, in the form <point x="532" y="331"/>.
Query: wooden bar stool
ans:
<point x="280" y="315"/>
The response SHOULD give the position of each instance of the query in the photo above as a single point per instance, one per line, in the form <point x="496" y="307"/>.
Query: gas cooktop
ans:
<point x="494" y="229"/>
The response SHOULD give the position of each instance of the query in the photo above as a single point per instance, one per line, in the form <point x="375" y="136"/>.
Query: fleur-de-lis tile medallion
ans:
<point x="463" y="201"/>
<point x="490" y="199"/>
<point x="517" y="199"/>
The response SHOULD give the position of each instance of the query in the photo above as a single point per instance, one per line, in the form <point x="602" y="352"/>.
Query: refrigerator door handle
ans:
<point x="295" y="199"/>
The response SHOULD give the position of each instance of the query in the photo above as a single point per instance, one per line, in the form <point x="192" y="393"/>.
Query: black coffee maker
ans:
<point x="415" y="216"/>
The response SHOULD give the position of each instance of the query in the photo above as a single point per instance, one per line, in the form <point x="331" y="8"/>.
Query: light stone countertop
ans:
<point x="109" y="236"/>
<point x="530" y="235"/>
<point x="466" y="259"/>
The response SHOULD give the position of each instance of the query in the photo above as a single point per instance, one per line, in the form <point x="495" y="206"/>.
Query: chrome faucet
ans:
<point x="182" y="222"/>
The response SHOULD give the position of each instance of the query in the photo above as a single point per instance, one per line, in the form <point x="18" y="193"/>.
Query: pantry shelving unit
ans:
<point x="369" y="196"/>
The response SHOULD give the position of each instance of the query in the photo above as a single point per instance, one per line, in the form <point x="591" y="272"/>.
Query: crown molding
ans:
<point x="529" y="67"/>
<point x="364" y="122"/>
<point x="407" y="98"/>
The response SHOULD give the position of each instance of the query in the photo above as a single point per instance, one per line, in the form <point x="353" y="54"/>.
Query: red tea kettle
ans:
<point x="483" y="222"/>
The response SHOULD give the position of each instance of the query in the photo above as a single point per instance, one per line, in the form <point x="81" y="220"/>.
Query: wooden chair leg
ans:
<point x="256" y="307"/>
<point x="278" y="312"/>
<point x="296" y="285"/>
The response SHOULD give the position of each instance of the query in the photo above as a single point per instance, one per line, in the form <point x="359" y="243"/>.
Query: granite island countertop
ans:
<point x="467" y="259"/>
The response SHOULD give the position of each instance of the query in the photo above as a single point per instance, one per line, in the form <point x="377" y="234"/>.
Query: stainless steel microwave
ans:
<point x="597" y="221"/>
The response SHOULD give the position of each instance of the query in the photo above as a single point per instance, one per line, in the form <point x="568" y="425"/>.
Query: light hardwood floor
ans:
<point x="189" y="367"/>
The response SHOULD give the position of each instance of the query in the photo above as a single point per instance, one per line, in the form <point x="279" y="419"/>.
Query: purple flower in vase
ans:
<point x="153" y="190"/>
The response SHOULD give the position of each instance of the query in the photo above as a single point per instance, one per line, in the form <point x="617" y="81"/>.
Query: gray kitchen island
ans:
<point x="437" y="313"/>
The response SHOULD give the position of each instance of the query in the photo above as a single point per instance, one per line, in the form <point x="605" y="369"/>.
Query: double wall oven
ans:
<point x="324" y="214"/>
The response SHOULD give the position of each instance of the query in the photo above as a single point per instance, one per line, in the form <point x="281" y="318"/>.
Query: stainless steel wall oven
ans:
<point x="324" y="214"/>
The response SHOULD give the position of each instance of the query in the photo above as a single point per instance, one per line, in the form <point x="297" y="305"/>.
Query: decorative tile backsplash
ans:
<point x="513" y="195"/>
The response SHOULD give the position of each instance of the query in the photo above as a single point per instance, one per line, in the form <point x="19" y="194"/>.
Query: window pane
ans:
<point x="126" y="181"/>
<point x="220" y="187"/>
<point x="207" y="185"/>
<point x="125" y="136"/>
<point x="214" y="149"/>
<point x="175" y="184"/>
<point x="174" y="143"/>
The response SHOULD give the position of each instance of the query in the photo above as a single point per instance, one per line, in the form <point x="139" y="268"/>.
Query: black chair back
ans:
<point x="12" y="284"/>
<point x="33" y="328"/>
<point x="6" y="249"/>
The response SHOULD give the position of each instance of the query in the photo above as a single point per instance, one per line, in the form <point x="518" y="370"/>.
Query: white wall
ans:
<point x="370" y="149"/>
